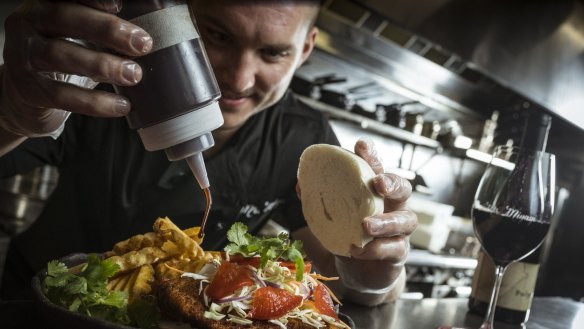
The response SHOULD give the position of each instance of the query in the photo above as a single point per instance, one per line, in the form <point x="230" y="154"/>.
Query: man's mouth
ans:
<point x="234" y="100"/>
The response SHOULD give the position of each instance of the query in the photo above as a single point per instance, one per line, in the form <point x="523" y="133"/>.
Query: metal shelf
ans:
<point x="418" y="257"/>
<point x="372" y="125"/>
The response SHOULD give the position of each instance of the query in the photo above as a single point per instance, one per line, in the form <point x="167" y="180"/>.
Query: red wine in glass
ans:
<point x="505" y="238"/>
<point x="512" y="209"/>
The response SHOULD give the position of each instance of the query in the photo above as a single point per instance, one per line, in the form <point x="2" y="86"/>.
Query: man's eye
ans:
<point x="275" y="54"/>
<point x="217" y="36"/>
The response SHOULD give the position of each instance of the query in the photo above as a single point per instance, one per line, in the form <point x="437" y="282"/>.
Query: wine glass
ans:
<point x="512" y="209"/>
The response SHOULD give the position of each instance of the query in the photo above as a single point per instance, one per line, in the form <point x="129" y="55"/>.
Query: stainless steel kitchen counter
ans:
<point x="546" y="313"/>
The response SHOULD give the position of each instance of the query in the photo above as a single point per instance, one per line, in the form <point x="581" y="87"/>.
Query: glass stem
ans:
<point x="490" y="317"/>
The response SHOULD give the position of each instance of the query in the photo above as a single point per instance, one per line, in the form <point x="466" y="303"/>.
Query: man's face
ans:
<point x="254" y="50"/>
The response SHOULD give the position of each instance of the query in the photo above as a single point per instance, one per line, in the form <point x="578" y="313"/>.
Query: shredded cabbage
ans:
<point x="236" y="311"/>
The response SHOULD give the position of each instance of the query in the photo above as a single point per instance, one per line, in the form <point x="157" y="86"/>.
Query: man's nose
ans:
<point x="241" y="72"/>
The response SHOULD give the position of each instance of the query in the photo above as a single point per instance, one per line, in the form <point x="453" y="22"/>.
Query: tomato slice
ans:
<point x="242" y="260"/>
<point x="292" y="266"/>
<point x="270" y="303"/>
<point x="324" y="302"/>
<point x="229" y="278"/>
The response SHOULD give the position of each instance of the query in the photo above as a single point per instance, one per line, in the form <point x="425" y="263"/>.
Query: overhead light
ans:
<point x="487" y="158"/>
<point x="478" y="155"/>
<point x="503" y="164"/>
<point x="462" y="142"/>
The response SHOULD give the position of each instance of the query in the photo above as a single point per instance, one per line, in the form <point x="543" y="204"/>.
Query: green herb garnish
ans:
<point x="267" y="248"/>
<point x="87" y="293"/>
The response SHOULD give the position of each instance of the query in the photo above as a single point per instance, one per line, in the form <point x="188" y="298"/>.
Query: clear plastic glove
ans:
<point x="376" y="267"/>
<point x="41" y="60"/>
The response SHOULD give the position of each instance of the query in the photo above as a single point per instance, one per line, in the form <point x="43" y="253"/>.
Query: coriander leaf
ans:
<point x="58" y="280"/>
<point x="87" y="292"/>
<point x="237" y="234"/>
<point x="144" y="313"/>
<point x="75" y="305"/>
<point x="252" y="247"/>
<point x="267" y="248"/>
<point x="111" y="314"/>
<point x="99" y="270"/>
<point x="297" y="244"/>
<point x="117" y="299"/>
<point x="55" y="267"/>
<point x="57" y="274"/>
<point x="267" y="254"/>
<point x="75" y="285"/>
<point x="283" y="236"/>
<point x="232" y="249"/>
<point x="272" y="242"/>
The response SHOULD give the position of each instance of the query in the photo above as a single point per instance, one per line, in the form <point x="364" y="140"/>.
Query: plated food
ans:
<point x="255" y="283"/>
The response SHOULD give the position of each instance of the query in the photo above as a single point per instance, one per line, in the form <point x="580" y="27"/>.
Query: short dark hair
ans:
<point x="316" y="3"/>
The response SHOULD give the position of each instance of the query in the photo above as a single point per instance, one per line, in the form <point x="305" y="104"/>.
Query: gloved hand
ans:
<point x="378" y="267"/>
<point x="36" y="51"/>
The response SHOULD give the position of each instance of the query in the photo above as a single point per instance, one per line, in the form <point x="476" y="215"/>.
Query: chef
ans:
<point x="110" y="188"/>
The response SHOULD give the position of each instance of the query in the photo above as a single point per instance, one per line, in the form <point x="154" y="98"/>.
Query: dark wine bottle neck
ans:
<point x="535" y="131"/>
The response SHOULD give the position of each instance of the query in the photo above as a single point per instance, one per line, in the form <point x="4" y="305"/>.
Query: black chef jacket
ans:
<point x="111" y="188"/>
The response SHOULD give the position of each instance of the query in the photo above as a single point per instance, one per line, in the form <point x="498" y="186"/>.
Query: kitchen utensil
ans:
<point x="312" y="88"/>
<point x="431" y="129"/>
<point x="394" y="114"/>
<point x="346" y="100"/>
<point x="414" y="122"/>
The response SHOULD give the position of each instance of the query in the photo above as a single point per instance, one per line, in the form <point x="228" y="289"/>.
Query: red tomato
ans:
<point x="292" y="266"/>
<point x="229" y="278"/>
<point x="270" y="303"/>
<point x="241" y="260"/>
<point x="324" y="302"/>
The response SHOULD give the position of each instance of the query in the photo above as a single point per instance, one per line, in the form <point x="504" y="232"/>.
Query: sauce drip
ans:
<point x="207" y="209"/>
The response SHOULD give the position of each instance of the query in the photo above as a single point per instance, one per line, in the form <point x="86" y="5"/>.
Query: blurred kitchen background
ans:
<point x="436" y="84"/>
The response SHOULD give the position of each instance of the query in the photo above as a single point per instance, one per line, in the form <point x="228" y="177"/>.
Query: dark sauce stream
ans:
<point x="207" y="209"/>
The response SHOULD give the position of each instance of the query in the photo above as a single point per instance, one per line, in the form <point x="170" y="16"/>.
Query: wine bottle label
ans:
<point x="516" y="289"/>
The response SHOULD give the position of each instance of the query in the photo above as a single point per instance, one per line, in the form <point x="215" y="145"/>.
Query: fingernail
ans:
<point x="116" y="6"/>
<point x="372" y="224"/>
<point x="112" y="6"/>
<point x="384" y="184"/>
<point x="141" y="41"/>
<point x="132" y="72"/>
<point x="122" y="106"/>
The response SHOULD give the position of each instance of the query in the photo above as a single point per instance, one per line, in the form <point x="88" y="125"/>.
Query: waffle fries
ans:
<point x="146" y="258"/>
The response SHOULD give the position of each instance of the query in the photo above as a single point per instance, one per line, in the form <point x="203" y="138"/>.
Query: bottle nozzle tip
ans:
<point x="197" y="165"/>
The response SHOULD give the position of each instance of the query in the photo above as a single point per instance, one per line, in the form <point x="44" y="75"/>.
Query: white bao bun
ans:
<point x="336" y="194"/>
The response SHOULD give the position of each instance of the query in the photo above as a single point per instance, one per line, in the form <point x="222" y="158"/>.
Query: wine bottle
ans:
<point x="516" y="292"/>
<point x="518" y="285"/>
